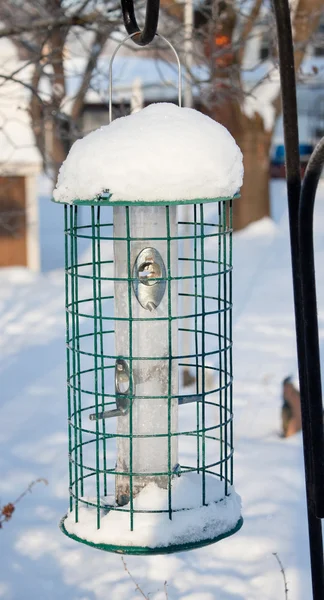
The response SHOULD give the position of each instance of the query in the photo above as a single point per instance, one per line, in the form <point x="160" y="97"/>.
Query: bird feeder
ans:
<point x="150" y="461"/>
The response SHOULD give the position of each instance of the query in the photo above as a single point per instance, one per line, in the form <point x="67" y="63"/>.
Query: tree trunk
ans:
<point x="58" y="154"/>
<point x="255" y="143"/>
<point x="219" y="27"/>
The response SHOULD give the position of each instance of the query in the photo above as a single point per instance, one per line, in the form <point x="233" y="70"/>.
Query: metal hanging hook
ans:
<point x="144" y="37"/>
<point x="129" y="37"/>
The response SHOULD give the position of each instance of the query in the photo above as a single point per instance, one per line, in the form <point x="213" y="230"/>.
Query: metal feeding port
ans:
<point x="149" y="275"/>
<point x="122" y="387"/>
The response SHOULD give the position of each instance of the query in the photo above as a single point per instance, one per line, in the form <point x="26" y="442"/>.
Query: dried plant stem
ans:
<point x="283" y="573"/>
<point x="30" y="487"/>
<point x="137" y="587"/>
<point x="7" y="510"/>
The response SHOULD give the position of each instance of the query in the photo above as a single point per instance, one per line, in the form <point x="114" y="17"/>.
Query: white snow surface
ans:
<point x="190" y="523"/>
<point x="162" y="152"/>
<point x="37" y="560"/>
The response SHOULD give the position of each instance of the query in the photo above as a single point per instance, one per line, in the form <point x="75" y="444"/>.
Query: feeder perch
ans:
<point x="151" y="462"/>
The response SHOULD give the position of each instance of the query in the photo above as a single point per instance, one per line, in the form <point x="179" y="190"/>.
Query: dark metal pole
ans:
<point x="307" y="334"/>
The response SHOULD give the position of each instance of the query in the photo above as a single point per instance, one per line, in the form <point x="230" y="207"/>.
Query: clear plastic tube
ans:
<point x="152" y="342"/>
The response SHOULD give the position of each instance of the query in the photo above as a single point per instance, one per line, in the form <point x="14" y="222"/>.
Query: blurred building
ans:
<point x="20" y="165"/>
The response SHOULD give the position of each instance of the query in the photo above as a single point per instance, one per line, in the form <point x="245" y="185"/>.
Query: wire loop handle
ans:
<point x="131" y="36"/>
<point x="144" y="37"/>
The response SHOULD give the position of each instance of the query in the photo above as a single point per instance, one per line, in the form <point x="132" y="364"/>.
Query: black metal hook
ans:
<point x="312" y="351"/>
<point x="145" y="36"/>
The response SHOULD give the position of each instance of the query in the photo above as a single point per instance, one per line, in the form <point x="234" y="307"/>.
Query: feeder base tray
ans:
<point x="157" y="550"/>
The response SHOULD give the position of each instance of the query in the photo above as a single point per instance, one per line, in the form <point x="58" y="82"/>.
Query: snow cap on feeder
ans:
<point x="162" y="153"/>
<point x="151" y="461"/>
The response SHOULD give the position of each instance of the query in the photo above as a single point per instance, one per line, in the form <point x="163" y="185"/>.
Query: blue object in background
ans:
<point x="305" y="151"/>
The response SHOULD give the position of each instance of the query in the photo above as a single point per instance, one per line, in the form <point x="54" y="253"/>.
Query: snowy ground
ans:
<point x="37" y="560"/>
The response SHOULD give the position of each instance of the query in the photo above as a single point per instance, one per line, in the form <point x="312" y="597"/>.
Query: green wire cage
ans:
<point x="149" y="298"/>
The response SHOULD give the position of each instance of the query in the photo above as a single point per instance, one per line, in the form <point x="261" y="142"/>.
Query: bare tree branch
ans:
<point x="28" y="86"/>
<point x="283" y="573"/>
<point x="137" y="587"/>
<point x="306" y="21"/>
<point x="248" y="26"/>
<point x="36" y="113"/>
<point x="97" y="46"/>
<point x="57" y="40"/>
<point x="166" y="590"/>
<point x="50" y="23"/>
<point x="83" y="6"/>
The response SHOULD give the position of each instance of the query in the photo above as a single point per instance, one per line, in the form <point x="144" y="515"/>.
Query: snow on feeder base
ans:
<point x="151" y="463"/>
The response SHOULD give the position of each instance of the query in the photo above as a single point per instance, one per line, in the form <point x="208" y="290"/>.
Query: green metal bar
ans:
<point x="231" y="333"/>
<point x="110" y="224"/>
<point x="182" y="277"/>
<point x="111" y="318"/>
<point x="147" y="239"/>
<point x="77" y="333"/>
<point x="225" y="352"/>
<point x="152" y="435"/>
<point x="140" y="550"/>
<point x="67" y="234"/>
<point x="95" y="350"/>
<point x="101" y="344"/>
<point x="203" y="382"/>
<point x="169" y="274"/>
<point x="208" y="468"/>
<point x="148" y="358"/>
<point x="213" y="312"/>
<point x="75" y="419"/>
<point x="220" y="341"/>
<point x="130" y="343"/>
<point x="196" y="335"/>
<point x="107" y="201"/>
<point x="213" y="391"/>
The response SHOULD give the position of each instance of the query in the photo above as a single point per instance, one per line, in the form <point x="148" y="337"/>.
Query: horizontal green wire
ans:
<point x="104" y="199"/>
<point x="114" y="471"/>
<point x="154" y="435"/>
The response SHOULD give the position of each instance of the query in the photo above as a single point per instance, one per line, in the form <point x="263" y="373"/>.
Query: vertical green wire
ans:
<point x="167" y="214"/>
<point x="95" y="353"/>
<point x="225" y="346"/>
<point x="75" y="412"/>
<point x="102" y="362"/>
<point x="203" y="391"/>
<point x="77" y="333"/>
<point x="196" y="336"/>
<point x="231" y="331"/>
<point x="221" y="415"/>
<point x="130" y="343"/>
<point x="67" y="233"/>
